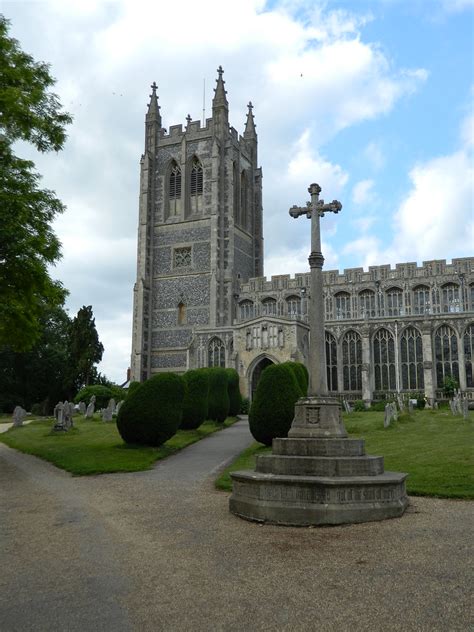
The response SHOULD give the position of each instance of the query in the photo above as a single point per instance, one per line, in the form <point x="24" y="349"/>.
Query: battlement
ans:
<point x="383" y="274"/>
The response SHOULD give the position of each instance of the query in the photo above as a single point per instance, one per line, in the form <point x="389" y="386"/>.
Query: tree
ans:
<point x="85" y="348"/>
<point x="40" y="375"/>
<point x="28" y="112"/>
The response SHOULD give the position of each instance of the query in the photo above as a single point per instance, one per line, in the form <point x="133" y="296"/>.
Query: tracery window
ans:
<point x="256" y="338"/>
<point x="174" y="189"/>
<point x="273" y="336"/>
<point x="468" y="340"/>
<point x="384" y="361"/>
<point x="343" y="305"/>
<point x="451" y="299"/>
<point x="471" y="288"/>
<point x="196" y="178"/>
<point x="235" y="180"/>
<point x="411" y="360"/>
<point x="293" y="305"/>
<point x="182" y="257"/>
<point x="421" y="300"/>
<point x="446" y="354"/>
<point x="243" y="199"/>
<point x="367" y="304"/>
<point x="216" y="352"/>
<point x="331" y="361"/>
<point x="394" y="302"/>
<point x="246" y="310"/>
<point x="269" y="307"/>
<point x="352" y="361"/>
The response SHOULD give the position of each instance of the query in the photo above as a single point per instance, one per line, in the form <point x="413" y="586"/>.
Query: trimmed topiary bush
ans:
<point x="273" y="406"/>
<point x="233" y="389"/>
<point x="132" y="387"/>
<point x="152" y="413"/>
<point x="218" y="394"/>
<point x="195" y="405"/>
<point x="301" y="373"/>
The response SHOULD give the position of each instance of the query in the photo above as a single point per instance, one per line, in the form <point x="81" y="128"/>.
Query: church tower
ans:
<point x="199" y="234"/>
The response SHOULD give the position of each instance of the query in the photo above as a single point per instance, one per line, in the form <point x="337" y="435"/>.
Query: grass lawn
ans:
<point x="95" y="447"/>
<point x="435" y="448"/>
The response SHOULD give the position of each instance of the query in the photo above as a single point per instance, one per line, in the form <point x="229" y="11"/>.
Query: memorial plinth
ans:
<point x="318" y="476"/>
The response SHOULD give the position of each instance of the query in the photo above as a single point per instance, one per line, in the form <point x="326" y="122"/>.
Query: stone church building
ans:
<point x="201" y="299"/>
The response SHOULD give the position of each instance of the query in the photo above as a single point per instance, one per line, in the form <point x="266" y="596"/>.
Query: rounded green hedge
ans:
<point x="301" y="373"/>
<point x="233" y="388"/>
<point x="152" y="413"/>
<point x="195" y="405"/>
<point x="273" y="406"/>
<point x="218" y="394"/>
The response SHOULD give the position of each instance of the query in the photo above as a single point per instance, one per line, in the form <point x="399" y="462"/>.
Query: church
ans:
<point x="200" y="297"/>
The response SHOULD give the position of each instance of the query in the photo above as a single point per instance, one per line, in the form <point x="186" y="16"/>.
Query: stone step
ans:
<point x="319" y="447"/>
<point x="320" y="465"/>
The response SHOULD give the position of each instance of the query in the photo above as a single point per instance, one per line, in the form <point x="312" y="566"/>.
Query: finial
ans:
<point x="250" y="106"/>
<point x="154" y="88"/>
<point x="188" y="120"/>
<point x="220" y="71"/>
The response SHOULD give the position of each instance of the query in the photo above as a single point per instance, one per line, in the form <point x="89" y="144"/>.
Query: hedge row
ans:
<point x="273" y="406"/>
<point x="153" y="411"/>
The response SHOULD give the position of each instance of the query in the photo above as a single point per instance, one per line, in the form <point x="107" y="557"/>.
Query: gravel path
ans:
<point x="159" y="550"/>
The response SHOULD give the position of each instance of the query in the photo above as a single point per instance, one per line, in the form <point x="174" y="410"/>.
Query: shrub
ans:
<point x="102" y="395"/>
<point x="245" y="406"/>
<point x="377" y="407"/>
<point x="420" y="402"/>
<point x="152" y="413"/>
<point x="301" y="374"/>
<point x="37" y="409"/>
<point x="218" y="394"/>
<point x="233" y="389"/>
<point x="359" y="406"/>
<point x="132" y="387"/>
<point x="195" y="405"/>
<point x="450" y="385"/>
<point x="273" y="405"/>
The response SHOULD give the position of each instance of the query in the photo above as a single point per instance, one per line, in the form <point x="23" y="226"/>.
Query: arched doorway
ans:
<point x="257" y="372"/>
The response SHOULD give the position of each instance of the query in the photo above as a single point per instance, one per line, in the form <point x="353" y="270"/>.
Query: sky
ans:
<point x="373" y="100"/>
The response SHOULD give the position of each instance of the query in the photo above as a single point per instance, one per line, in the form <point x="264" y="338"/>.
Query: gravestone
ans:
<point x="347" y="406"/>
<point x="435" y="406"/>
<point x="107" y="414"/>
<point x="90" y="408"/>
<point x="59" y="418"/>
<point x="318" y="475"/>
<point x="19" y="415"/>
<point x="465" y="408"/>
<point x="119" y="406"/>
<point x="82" y="408"/>
<point x="410" y="406"/>
<point x="401" y="403"/>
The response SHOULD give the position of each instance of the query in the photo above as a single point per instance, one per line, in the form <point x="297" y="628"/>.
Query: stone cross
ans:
<point x="317" y="347"/>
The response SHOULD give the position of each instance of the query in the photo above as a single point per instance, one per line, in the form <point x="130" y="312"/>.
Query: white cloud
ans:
<point x="363" y="193"/>
<point x="287" y="260"/>
<point x="456" y="6"/>
<point x="366" y="249"/>
<point x="375" y="156"/>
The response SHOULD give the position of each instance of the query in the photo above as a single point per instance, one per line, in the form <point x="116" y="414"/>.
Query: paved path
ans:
<point x="159" y="550"/>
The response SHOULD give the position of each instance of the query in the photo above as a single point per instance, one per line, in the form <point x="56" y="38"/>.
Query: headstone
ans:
<point x="82" y="408"/>
<point x="59" y="421"/>
<point x="435" y="406"/>
<point x="107" y="414"/>
<point x="19" y="415"/>
<point x="90" y="410"/>
<point x="68" y="411"/>
<point x="111" y="405"/>
<point x="410" y="406"/>
<point x="401" y="403"/>
<point x="388" y="415"/>
<point x="452" y="406"/>
<point x="465" y="408"/>
<point x="119" y="406"/>
<point x="346" y="405"/>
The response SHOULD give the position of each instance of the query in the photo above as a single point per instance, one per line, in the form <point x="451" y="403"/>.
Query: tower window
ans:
<point x="182" y="257"/>
<point x="175" y="182"/>
<point x="181" y="314"/>
<point x="196" y="178"/>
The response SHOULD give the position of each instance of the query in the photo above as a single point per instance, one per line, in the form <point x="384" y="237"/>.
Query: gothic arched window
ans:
<point x="352" y="361"/>
<point x="384" y="361"/>
<point x="216" y="352"/>
<point x="293" y="305"/>
<point x="451" y="299"/>
<point x="236" y="183"/>
<point x="367" y="304"/>
<point x="446" y="354"/>
<point x="468" y="340"/>
<point x="269" y="307"/>
<point x="195" y="186"/>
<point x="246" y="310"/>
<point x="411" y="360"/>
<point x="343" y="305"/>
<point x="174" y="189"/>
<point x="331" y="361"/>
<point x="243" y="199"/>
<point x="394" y="302"/>
<point x="421" y="300"/>
<point x="181" y="313"/>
